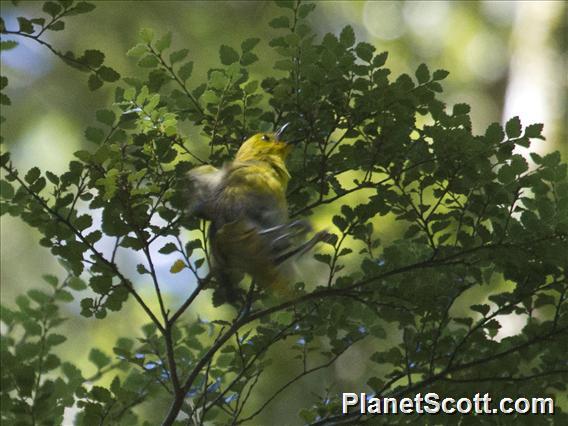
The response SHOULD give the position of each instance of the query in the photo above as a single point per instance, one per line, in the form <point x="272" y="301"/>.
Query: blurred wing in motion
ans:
<point x="204" y="182"/>
<point x="243" y="247"/>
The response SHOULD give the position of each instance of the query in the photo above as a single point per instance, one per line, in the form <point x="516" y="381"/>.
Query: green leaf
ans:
<point x="185" y="70"/>
<point x="178" y="266"/>
<point x="81" y="7"/>
<point x="137" y="51"/>
<point x="147" y="35"/>
<point x="76" y="283"/>
<point x="168" y="248"/>
<point x="440" y="75"/>
<point x="107" y="74"/>
<point x="518" y="164"/>
<point x="6" y="190"/>
<point x="7" y="44"/>
<point x="141" y="269"/>
<point x="25" y="25"/>
<point x="365" y="51"/>
<point x="482" y="309"/>
<point x="534" y="131"/>
<point x="494" y="133"/>
<point x="422" y="74"/>
<point x="248" y="58"/>
<point x="100" y="394"/>
<point x="51" y="8"/>
<point x="513" y="128"/>
<point x="51" y="279"/>
<point x="228" y="55"/>
<point x="105" y="116"/>
<point x="87" y="307"/>
<point x="164" y="42"/>
<point x="116" y="299"/>
<point x="178" y="55"/>
<point x="305" y="9"/>
<point x="323" y="258"/>
<point x="4" y="99"/>
<point x="55" y="339"/>
<point x="251" y="87"/>
<point x="94" y="134"/>
<point x="506" y="174"/>
<point x="100" y="284"/>
<point x="286" y="4"/>
<point x="249" y="44"/>
<point x="148" y="61"/>
<point x="347" y="36"/>
<point x="340" y="222"/>
<point x="32" y="175"/>
<point x="83" y="222"/>
<point x="461" y="109"/>
<point x="94" y="82"/>
<point x="99" y="358"/>
<point x="57" y="26"/>
<point x="93" y="58"/>
<point x="380" y="59"/>
<point x="280" y="22"/>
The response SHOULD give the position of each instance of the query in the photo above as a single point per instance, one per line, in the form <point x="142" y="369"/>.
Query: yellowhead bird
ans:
<point x="245" y="201"/>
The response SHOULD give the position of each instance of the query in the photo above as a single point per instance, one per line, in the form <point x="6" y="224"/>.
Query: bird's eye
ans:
<point x="265" y="138"/>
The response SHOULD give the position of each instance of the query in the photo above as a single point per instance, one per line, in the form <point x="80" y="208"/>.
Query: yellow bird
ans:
<point x="245" y="201"/>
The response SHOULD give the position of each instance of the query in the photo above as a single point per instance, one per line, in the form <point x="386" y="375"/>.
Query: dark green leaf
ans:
<point x="51" y="8"/>
<point x="6" y="190"/>
<point x="94" y="134"/>
<point x="534" y="131"/>
<point x="93" y="58"/>
<point x="76" y="283"/>
<point x="249" y="44"/>
<point x="55" y="339"/>
<point x="168" y="248"/>
<point x="107" y="74"/>
<point x="185" y="71"/>
<point x="280" y="22"/>
<point x="422" y="74"/>
<point x="7" y="44"/>
<point x="106" y="116"/>
<point x="461" y="109"/>
<point x="25" y="25"/>
<point x="513" y="128"/>
<point x="4" y="99"/>
<point x="99" y="358"/>
<point x="178" y="55"/>
<point x="32" y="175"/>
<point x="57" y="26"/>
<point x="94" y="82"/>
<point x="347" y="37"/>
<point x="228" y="55"/>
<point x="81" y="7"/>
<point x="494" y="133"/>
<point x="365" y="51"/>
<point x="440" y="75"/>
<point x="305" y="9"/>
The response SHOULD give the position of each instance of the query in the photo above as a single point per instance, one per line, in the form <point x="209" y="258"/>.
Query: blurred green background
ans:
<point x="505" y="59"/>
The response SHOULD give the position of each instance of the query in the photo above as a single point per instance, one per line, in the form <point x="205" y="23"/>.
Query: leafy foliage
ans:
<point x="472" y="212"/>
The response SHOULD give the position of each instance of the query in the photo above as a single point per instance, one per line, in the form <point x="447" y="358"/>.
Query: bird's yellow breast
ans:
<point x="260" y="177"/>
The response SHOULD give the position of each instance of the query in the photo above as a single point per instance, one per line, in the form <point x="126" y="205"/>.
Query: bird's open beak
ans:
<point x="278" y="135"/>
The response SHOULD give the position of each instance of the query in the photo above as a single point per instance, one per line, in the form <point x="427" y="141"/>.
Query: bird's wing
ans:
<point x="204" y="182"/>
<point x="251" y="192"/>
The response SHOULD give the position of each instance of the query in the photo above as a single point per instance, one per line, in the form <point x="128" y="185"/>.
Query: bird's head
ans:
<point x="265" y="146"/>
